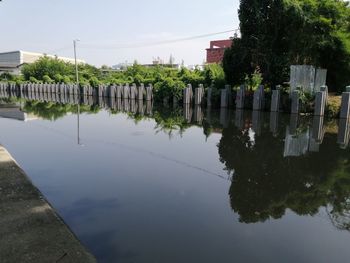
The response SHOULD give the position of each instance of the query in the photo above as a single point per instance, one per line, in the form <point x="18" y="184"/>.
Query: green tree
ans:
<point x="278" y="33"/>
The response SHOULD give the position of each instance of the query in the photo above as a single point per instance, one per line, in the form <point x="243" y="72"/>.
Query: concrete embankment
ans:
<point x="30" y="230"/>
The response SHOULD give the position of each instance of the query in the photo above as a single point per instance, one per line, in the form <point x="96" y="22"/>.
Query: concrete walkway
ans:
<point x="30" y="230"/>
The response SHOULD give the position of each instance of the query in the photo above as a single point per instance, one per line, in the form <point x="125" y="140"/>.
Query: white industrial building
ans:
<point x="11" y="62"/>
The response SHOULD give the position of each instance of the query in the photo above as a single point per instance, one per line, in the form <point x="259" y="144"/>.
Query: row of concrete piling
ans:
<point x="190" y="96"/>
<point x="196" y="113"/>
<point x="321" y="98"/>
<point x="29" y="90"/>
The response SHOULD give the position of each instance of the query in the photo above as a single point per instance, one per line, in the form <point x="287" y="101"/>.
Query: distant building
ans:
<point x="215" y="53"/>
<point x="11" y="62"/>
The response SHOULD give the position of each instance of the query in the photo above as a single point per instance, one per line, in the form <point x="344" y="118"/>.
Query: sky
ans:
<point x="112" y="32"/>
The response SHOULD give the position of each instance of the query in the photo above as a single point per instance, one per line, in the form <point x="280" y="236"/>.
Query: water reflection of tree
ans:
<point x="265" y="184"/>
<point x="53" y="110"/>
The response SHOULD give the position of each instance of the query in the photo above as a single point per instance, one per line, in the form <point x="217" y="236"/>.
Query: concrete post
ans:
<point x="257" y="104"/>
<point x="294" y="123"/>
<point x="274" y="121"/>
<point x="320" y="103"/>
<point x="112" y="91"/>
<point x="325" y="89"/>
<point x="345" y="106"/>
<point x="149" y="93"/>
<point x="295" y="103"/>
<point x="141" y="91"/>
<point x="224" y="98"/>
<point x="318" y="130"/>
<point x="119" y="91"/>
<point x="199" y="94"/>
<point x="187" y="99"/>
<point x="344" y="133"/>
<point x="126" y="92"/>
<point x="133" y="92"/>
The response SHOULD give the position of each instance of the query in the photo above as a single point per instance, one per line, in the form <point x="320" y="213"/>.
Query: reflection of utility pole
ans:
<point x="78" y="88"/>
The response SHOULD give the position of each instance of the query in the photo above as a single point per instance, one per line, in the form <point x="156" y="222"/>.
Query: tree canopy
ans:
<point x="278" y="33"/>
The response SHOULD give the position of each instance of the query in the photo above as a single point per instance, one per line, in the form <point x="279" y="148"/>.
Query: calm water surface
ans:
<point x="226" y="187"/>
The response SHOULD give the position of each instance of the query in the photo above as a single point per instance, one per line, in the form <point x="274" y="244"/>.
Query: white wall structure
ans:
<point x="11" y="62"/>
<point x="308" y="78"/>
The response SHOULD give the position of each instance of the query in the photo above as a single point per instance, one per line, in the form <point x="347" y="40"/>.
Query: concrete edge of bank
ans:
<point x="30" y="229"/>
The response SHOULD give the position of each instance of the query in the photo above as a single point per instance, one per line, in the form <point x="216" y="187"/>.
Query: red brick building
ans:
<point x="215" y="53"/>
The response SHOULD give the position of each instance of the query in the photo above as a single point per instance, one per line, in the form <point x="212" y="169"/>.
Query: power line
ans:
<point x="87" y="45"/>
<point x="156" y="43"/>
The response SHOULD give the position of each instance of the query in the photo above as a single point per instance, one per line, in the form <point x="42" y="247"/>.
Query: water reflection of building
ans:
<point x="16" y="114"/>
<point x="301" y="139"/>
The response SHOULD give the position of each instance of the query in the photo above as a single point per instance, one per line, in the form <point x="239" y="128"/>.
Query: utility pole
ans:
<point x="76" y="64"/>
<point x="78" y="88"/>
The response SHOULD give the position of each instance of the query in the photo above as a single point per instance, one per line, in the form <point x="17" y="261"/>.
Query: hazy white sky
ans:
<point x="50" y="26"/>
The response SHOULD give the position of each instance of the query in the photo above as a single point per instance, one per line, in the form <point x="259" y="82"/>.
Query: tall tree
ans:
<point x="278" y="33"/>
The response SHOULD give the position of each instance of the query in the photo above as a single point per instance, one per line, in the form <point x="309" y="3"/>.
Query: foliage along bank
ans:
<point x="167" y="82"/>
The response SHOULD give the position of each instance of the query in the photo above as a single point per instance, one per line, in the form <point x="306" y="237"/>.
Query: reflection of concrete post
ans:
<point x="126" y="104"/>
<point x="275" y="100"/>
<point x="274" y="118"/>
<point x="133" y="106"/>
<point x="320" y="103"/>
<point x="229" y="95"/>
<point x="239" y="119"/>
<point x="119" y="105"/>
<point x="91" y="100"/>
<point x="187" y="112"/>
<point x="209" y="96"/>
<point x="345" y="106"/>
<point x="240" y="97"/>
<point x="149" y="107"/>
<point x="295" y="103"/>
<point x="256" y="122"/>
<point x="224" y="117"/>
<point x="198" y="115"/>
<point x="318" y="130"/>
<point x="294" y="118"/>
<point x="111" y="101"/>
<point x="141" y="109"/>
<point x="344" y="133"/>
<point x="208" y="115"/>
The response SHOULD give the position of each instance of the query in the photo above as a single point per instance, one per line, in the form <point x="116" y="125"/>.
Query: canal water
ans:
<point x="188" y="185"/>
